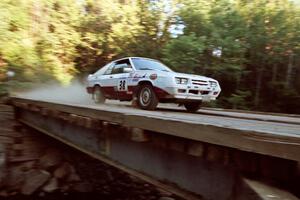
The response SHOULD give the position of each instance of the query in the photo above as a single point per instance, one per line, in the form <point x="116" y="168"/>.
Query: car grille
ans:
<point x="199" y="82"/>
<point x="194" y="91"/>
<point x="204" y="92"/>
<point x="198" y="91"/>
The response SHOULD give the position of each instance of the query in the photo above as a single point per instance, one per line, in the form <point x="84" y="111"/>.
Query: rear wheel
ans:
<point x="147" y="98"/>
<point x="192" y="106"/>
<point x="98" y="95"/>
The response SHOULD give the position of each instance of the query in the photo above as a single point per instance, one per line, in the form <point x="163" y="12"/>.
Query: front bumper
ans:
<point x="190" y="92"/>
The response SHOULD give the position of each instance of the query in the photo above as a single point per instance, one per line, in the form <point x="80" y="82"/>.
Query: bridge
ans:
<point x="213" y="154"/>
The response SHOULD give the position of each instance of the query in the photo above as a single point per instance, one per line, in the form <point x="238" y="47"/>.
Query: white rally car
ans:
<point x="148" y="82"/>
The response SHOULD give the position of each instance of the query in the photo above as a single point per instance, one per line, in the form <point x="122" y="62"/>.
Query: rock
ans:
<point x="83" y="187"/>
<point x="26" y="166"/>
<point x="3" y="193"/>
<point x="135" y="179"/>
<point x="34" y="180"/>
<point x="21" y="152"/>
<point x="73" y="170"/>
<point x="51" y="185"/>
<point x="24" y="157"/>
<point x="16" y="177"/>
<point x="164" y="193"/>
<point x="166" y="198"/>
<point x="6" y="100"/>
<point x="64" y="188"/>
<point x="73" y="177"/>
<point x="50" y="159"/>
<point x="63" y="170"/>
<point x="41" y="194"/>
<point x="6" y="140"/>
<point x="152" y="198"/>
<point x="109" y="175"/>
<point x="13" y="193"/>
<point x="2" y="164"/>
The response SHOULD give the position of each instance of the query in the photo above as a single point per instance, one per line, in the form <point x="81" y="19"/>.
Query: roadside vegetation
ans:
<point x="251" y="47"/>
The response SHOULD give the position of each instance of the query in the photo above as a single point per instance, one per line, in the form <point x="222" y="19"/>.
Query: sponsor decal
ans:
<point x="137" y="77"/>
<point x="131" y="75"/>
<point x="153" y="76"/>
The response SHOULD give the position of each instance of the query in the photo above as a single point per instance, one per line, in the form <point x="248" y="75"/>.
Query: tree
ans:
<point x="184" y="52"/>
<point x="257" y="42"/>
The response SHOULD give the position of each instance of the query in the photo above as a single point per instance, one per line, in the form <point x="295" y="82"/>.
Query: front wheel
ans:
<point x="98" y="95"/>
<point x="147" y="98"/>
<point x="192" y="106"/>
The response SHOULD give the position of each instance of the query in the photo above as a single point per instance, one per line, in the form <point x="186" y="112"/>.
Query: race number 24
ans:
<point x="122" y="85"/>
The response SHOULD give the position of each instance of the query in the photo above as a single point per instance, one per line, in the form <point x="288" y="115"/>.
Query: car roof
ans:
<point x="135" y="57"/>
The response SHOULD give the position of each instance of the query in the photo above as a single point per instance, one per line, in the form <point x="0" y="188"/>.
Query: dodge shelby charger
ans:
<point x="148" y="82"/>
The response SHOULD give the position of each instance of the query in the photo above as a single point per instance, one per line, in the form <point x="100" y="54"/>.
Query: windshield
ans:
<point x="147" y="64"/>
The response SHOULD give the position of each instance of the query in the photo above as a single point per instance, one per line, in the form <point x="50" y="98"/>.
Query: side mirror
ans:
<point x="127" y="69"/>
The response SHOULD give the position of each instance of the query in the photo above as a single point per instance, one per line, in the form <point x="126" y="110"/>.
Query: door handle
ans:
<point x="111" y="77"/>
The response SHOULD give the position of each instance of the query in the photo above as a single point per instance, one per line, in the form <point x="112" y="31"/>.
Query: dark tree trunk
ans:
<point x="288" y="80"/>
<point x="258" y="86"/>
<point x="274" y="72"/>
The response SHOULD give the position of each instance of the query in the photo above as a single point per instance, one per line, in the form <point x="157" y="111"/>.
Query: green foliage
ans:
<point x="260" y="44"/>
<point x="38" y="38"/>
<point x="3" y="90"/>
<point x="184" y="52"/>
<point x="42" y="40"/>
<point x="238" y="100"/>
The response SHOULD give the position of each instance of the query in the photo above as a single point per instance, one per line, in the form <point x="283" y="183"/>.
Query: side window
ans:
<point x="118" y="68"/>
<point x="120" y="65"/>
<point x="109" y="69"/>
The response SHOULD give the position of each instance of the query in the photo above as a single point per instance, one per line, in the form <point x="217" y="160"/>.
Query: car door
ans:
<point x="107" y="82"/>
<point x="120" y="75"/>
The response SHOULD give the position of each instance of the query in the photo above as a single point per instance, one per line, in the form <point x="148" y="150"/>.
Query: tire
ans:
<point x="192" y="106"/>
<point x="146" y="97"/>
<point x="98" y="95"/>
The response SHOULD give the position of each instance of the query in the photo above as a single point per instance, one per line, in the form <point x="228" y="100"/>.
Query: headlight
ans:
<point x="213" y="83"/>
<point x="179" y="80"/>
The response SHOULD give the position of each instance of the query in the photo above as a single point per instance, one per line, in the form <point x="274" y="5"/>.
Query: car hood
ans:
<point x="177" y="74"/>
<point x="192" y="76"/>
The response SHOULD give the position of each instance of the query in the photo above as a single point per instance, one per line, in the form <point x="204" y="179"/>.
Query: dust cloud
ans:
<point x="73" y="93"/>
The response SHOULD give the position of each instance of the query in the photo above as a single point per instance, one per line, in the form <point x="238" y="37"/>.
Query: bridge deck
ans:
<point x="206" y="154"/>
<point x="280" y="139"/>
